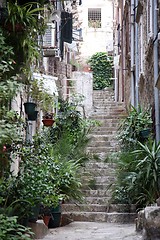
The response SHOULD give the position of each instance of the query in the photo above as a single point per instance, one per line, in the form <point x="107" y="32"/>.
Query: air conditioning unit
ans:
<point x="50" y="52"/>
<point x="49" y="48"/>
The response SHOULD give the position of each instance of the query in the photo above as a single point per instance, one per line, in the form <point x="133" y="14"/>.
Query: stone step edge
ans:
<point x="101" y="217"/>
<point x="108" y="208"/>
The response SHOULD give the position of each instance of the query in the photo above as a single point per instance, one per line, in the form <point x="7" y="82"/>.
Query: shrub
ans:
<point x="138" y="175"/>
<point x="101" y="65"/>
<point x="11" y="230"/>
<point x="131" y="126"/>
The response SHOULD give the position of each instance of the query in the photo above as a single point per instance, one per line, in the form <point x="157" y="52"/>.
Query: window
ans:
<point x="94" y="17"/>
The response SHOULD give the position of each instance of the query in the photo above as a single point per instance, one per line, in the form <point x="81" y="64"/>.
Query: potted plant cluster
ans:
<point x="132" y="126"/>
<point x="138" y="168"/>
<point x="41" y="99"/>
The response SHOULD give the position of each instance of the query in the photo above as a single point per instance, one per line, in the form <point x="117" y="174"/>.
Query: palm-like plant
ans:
<point x="138" y="175"/>
<point x="148" y="166"/>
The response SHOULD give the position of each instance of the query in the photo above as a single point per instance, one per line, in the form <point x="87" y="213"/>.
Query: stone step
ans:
<point x="99" y="137"/>
<point x="97" y="200"/>
<point x="96" y="186"/>
<point x="104" y="130"/>
<point x="101" y="217"/>
<point x="121" y="208"/>
<point x="102" y="150"/>
<point x="108" y="91"/>
<point x="106" y="122"/>
<point x="118" y="105"/>
<point x="106" y="117"/>
<point x="101" y="165"/>
<point x="97" y="143"/>
<point x="98" y="172"/>
<point x="101" y="179"/>
<point x="97" y="193"/>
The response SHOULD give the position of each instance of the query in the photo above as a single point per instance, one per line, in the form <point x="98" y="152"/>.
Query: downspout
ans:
<point x="122" y="52"/>
<point x="155" y="55"/>
<point x="132" y="54"/>
<point x="58" y="25"/>
<point x="136" y="62"/>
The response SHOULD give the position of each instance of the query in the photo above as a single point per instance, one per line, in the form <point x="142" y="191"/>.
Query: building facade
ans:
<point x="137" y="54"/>
<point x="95" y="18"/>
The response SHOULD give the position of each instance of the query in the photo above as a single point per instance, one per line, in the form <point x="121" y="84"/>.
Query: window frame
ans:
<point x="94" y="17"/>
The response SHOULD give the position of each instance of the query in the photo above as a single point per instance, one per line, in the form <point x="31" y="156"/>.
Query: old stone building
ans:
<point x="137" y="54"/>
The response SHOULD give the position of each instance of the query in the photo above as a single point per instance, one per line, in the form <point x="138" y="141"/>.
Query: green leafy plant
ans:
<point x="40" y="94"/>
<point x="10" y="229"/>
<point x="101" y="65"/>
<point x="6" y="56"/>
<point x="21" y="17"/>
<point x="131" y="126"/>
<point x="138" y="175"/>
<point x="22" y="26"/>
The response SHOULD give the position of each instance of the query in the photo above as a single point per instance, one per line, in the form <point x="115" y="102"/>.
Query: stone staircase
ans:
<point x="98" y="174"/>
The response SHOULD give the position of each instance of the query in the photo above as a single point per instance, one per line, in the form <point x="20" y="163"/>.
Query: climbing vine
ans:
<point x="101" y="65"/>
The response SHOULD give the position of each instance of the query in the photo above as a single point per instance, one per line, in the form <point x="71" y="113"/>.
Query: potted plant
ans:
<point x="131" y="127"/>
<point x="48" y="119"/>
<point x="29" y="107"/>
<point x="41" y="97"/>
<point x="55" y="220"/>
<point x="46" y="215"/>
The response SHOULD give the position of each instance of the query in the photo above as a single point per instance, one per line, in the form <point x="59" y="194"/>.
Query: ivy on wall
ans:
<point x="101" y="65"/>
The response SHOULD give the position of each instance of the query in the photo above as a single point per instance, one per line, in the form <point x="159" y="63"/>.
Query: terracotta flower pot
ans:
<point x="48" y="122"/>
<point x="46" y="219"/>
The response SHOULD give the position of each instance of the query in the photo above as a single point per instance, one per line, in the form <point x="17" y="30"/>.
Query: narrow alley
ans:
<point x="94" y="231"/>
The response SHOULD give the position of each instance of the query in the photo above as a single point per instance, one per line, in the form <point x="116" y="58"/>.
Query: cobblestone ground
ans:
<point x="94" y="231"/>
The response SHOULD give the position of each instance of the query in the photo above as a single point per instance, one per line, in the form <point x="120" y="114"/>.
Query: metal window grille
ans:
<point x="94" y="17"/>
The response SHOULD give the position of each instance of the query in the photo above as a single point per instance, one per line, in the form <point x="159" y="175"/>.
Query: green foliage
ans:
<point x="101" y="65"/>
<point x="69" y="120"/>
<point x="24" y="14"/>
<point x="11" y="128"/>
<point x="22" y="26"/>
<point x="138" y="175"/>
<point x="70" y="134"/>
<point x="6" y="56"/>
<point x="131" y="126"/>
<point x="11" y="230"/>
<point x="41" y="95"/>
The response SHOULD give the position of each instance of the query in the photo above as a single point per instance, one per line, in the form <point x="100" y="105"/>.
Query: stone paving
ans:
<point x="94" y="231"/>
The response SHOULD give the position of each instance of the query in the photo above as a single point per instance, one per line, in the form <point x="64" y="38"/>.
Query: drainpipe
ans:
<point x="58" y="24"/>
<point x="132" y="54"/>
<point x="156" y="91"/>
<point x="136" y="62"/>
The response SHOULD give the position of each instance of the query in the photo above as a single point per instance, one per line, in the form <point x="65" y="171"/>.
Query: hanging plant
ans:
<point x="101" y="65"/>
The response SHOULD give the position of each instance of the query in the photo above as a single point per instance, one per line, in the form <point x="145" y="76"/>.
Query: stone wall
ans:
<point x="146" y="74"/>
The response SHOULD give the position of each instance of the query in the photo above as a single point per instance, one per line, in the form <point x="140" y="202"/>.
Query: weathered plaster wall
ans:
<point x="84" y="86"/>
<point x="96" y="39"/>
